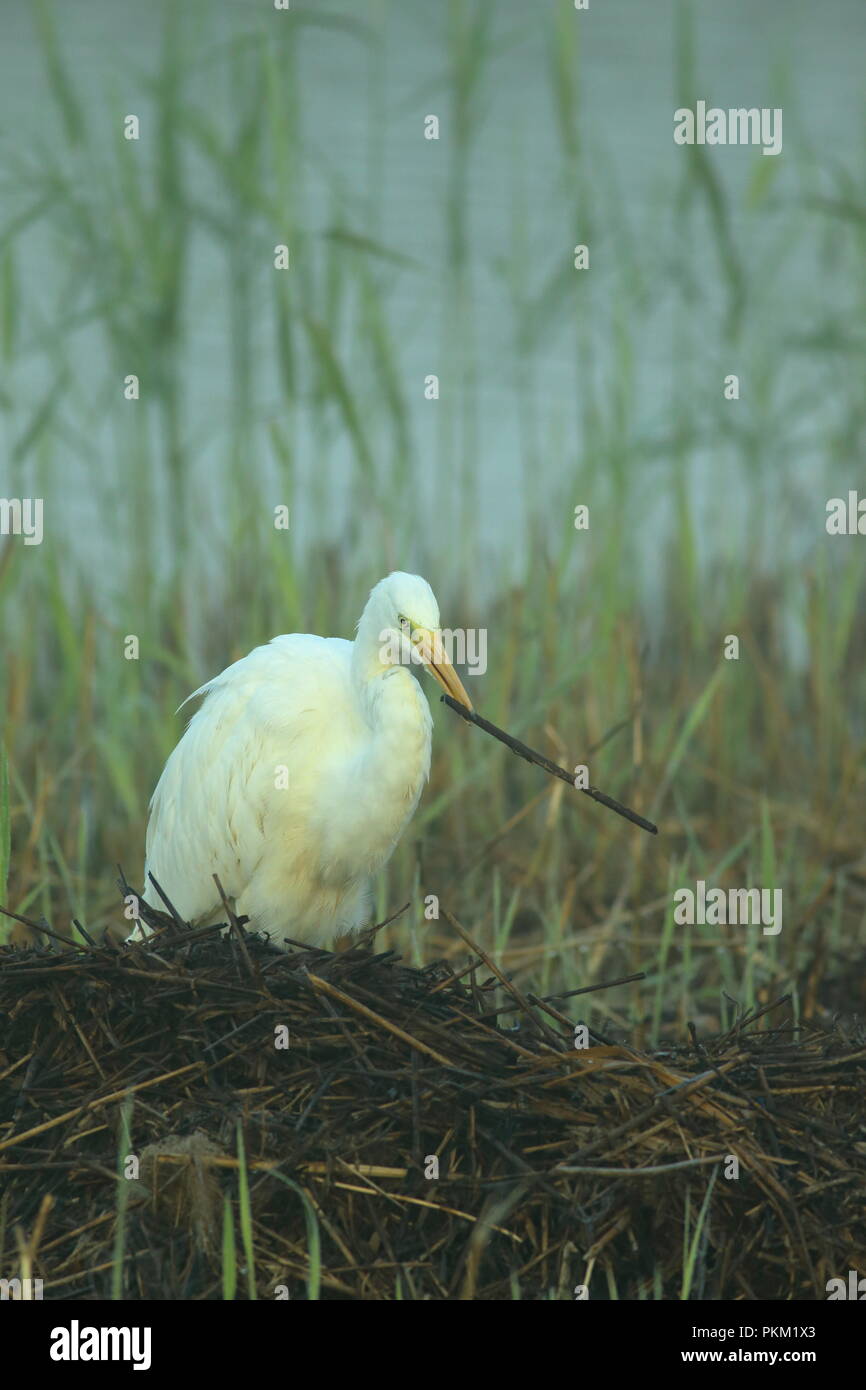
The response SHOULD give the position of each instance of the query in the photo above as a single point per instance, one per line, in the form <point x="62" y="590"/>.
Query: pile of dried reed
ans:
<point x="202" y="1111"/>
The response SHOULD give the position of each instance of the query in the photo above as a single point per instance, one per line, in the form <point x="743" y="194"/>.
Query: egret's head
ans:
<point x="403" y="612"/>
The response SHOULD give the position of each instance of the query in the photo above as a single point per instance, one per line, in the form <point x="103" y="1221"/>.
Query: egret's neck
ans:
<point x="367" y="651"/>
<point x="397" y="712"/>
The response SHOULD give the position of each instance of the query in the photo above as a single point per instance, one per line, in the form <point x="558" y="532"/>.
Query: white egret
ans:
<point x="298" y="775"/>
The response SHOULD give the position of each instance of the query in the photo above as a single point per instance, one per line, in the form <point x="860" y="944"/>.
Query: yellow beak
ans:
<point x="431" y="651"/>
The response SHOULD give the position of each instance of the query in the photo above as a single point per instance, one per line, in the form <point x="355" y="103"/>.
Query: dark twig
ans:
<point x="531" y="756"/>
<point x="46" y="931"/>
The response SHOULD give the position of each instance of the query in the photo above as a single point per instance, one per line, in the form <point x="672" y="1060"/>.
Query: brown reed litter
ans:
<point x="558" y="1167"/>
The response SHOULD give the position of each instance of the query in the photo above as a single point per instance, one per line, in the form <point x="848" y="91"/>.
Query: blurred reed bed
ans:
<point x="754" y="769"/>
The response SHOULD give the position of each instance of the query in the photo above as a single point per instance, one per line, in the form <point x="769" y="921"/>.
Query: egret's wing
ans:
<point x="209" y="811"/>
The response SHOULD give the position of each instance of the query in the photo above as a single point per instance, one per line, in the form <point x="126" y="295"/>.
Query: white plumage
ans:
<point x="298" y="775"/>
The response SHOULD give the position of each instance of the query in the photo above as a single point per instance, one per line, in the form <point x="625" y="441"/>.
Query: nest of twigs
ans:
<point x="204" y="1114"/>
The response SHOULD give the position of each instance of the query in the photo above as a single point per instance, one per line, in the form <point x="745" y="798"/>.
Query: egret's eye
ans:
<point x="404" y="623"/>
